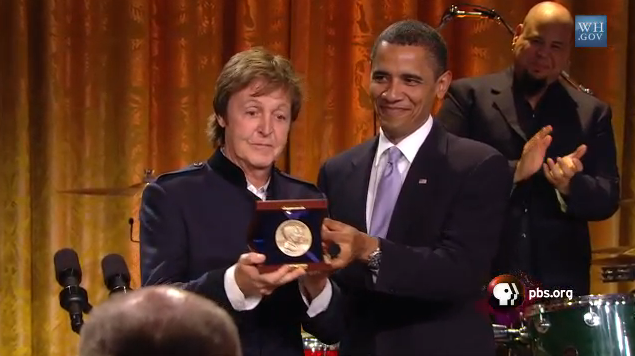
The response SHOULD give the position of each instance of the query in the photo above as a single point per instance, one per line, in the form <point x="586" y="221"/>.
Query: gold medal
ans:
<point x="293" y="238"/>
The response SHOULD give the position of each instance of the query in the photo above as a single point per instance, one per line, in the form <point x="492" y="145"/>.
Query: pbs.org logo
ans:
<point x="506" y="293"/>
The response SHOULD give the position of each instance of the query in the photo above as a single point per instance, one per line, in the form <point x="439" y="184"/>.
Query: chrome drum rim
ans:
<point x="582" y="301"/>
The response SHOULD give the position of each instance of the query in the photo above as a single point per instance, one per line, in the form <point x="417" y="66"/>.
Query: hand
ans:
<point x="353" y="244"/>
<point x="252" y="283"/>
<point x="533" y="154"/>
<point x="559" y="173"/>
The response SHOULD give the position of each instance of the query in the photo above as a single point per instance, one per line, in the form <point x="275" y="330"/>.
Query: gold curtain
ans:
<point x="92" y="92"/>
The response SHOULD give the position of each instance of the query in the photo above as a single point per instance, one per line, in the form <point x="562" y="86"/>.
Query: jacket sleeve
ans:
<point x="328" y="325"/>
<point x="594" y="193"/>
<point x="163" y="251"/>
<point x="459" y="266"/>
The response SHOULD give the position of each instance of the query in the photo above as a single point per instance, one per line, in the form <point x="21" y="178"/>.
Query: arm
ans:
<point x="459" y="266"/>
<point x="348" y="279"/>
<point x="324" y="315"/>
<point x="163" y="253"/>
<point x="594" y="192"/>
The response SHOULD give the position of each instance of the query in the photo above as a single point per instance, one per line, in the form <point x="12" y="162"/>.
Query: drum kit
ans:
<point x="593" y="325"/>
<point x="313" y="347"/>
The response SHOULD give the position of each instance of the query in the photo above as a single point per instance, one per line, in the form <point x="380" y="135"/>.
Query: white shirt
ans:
<point x="241" y="303"/>
<point x="409" y="147"/>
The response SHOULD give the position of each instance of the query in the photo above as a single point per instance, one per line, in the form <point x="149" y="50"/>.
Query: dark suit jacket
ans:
<point x="437" y="252"/>
<point x="194" y="225"/>
<point x="551" y="245"/>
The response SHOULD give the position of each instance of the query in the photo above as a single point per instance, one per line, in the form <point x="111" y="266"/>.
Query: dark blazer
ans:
<point x="437" y="253"/>
<point x="194" y="225"/>
<point x="552" y="246"/>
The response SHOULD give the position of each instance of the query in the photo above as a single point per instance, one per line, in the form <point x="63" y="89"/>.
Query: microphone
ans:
<point x="116" y="274"/>
<point x="73" y="298"/>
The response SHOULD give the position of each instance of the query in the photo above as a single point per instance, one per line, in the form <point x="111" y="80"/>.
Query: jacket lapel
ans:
<point x="358" y="178"/>
<point x="421" y="185"/>
<point x="504" y="102"/>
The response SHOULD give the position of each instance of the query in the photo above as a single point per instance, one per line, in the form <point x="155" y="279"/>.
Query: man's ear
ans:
<point x="220" y="120"/>
<point x="443" y="83"/>
<point x="517" y="33"/>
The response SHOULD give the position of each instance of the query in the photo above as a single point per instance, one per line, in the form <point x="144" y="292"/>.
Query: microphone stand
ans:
<point x="485" y="13"/>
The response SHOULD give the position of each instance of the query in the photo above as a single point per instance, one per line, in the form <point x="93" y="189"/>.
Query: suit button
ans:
<point x="523" y="235"/>
<point x="526" y="210"/>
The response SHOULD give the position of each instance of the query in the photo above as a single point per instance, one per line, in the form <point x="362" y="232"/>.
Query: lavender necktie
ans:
<point x="386" y="195"/>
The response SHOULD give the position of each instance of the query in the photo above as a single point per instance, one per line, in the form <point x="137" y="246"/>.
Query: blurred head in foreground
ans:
<point x="159" y="321"/>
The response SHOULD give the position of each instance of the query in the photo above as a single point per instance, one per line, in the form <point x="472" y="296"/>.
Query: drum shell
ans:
<point x="602" y="325"/>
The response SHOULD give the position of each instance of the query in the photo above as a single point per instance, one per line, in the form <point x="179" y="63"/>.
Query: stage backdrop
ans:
<point x="93" y="92"/>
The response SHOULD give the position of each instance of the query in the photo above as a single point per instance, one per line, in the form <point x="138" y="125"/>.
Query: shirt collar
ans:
<point x="409" y="146"/>
<point x="262" y="189"/>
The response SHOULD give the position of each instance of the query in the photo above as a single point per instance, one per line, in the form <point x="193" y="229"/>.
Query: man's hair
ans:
<point x="243" y="69"/>
<point x="416" y="33"/>
<point x="159" y="321"/>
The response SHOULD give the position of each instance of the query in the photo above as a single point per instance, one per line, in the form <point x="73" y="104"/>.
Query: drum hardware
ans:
<point x="591" y="318"/>
<point x="627" y="250"/>
<point x="624" y="273"/>
<point x="482" y="12"/>
<point x="504" y="334"/>
<point x="541" y="324"/>
<point x="618" y="260"/>
<point x="313" y="347"/>
<point x="121" y="191"/>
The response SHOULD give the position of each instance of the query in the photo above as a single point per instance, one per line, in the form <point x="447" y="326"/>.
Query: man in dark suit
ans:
<point x="195" y="222"/>
<point x="560" y="146"/>
<point x="416" y="212"/>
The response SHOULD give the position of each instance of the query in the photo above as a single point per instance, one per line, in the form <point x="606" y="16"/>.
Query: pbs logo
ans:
<point x="506" y="293"/>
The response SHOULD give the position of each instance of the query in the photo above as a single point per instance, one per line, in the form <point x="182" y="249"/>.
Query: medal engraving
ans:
<point x="293" y="238"/>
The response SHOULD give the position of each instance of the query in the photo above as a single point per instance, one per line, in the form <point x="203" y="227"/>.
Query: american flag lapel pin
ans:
<point x="423" y="181"/>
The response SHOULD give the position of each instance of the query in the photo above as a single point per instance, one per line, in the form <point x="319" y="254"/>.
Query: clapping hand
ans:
<point x="560" y="172"/>
<point x="533" y="154"/>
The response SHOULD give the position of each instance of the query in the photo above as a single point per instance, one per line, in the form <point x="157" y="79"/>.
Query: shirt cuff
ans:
<point x="563" y="204"/>
<point x="236" y="297"/>
<point x="319" y="303"/>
